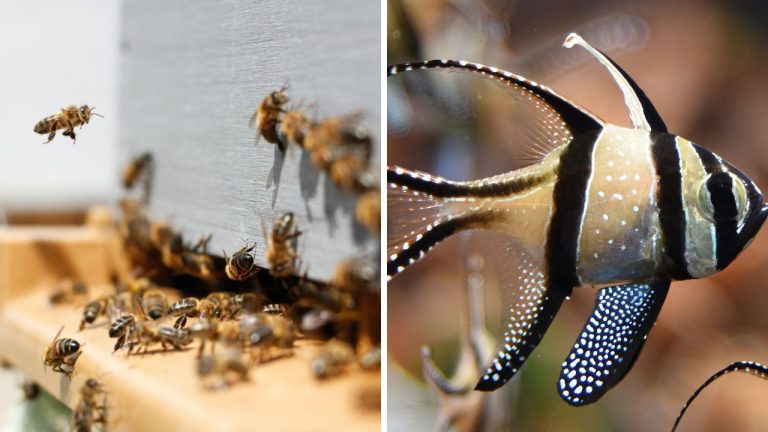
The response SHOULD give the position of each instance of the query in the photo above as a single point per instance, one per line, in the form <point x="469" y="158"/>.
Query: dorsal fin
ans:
<point x="641" y="111"/>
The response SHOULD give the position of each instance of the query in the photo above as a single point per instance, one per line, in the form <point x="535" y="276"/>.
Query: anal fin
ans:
<point x="611" y="340"/>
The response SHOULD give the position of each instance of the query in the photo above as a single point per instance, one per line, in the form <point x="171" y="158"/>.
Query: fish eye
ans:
<point x="722" y="197"/>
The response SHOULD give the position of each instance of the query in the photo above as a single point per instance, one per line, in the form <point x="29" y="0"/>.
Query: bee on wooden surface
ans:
<point x="192" y="307"/>
<point x="168" y="242"/>
<point x="90" y="411"/>
<point x="332" y="359"/>
<point x="136" y="286"/>
<point x="368" y="211"/>
<point x="242" y="265"/>
<point x="245" y="302"/>
<point x="272" y="335"/>
<point x="124" y="329"/>
<point x="369" y="398"/>
<point x="356" y="275"/>
<point x="140" y="166"/>
<point x="280" y="253"/>
<point x="155" y="303"/>
<point x="222" y="369"/>
<point x="148" y="334"/>
<point x="196" y="262"/>
<point x="268" y="115"/>
<point x="93" y="310"/>
<point x="281" y="309"/>
<point x="62" y="354"/>
<point x="371" y="359"/>
<point x="311" y="292"/>
<point x="68" y="118"/>
<point x="293" y="128"/>
<point x="66" y="290"/>
<point x="213" y="331"/>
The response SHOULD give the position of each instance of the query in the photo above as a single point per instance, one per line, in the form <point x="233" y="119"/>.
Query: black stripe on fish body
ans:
<point x="442" y="188"/>
<point x="577" y="119"/>
<point x="669" y="199"/>
<point x="722" y="196"/>
<point x="569" y="200"/>
<point x="67" y="346"/>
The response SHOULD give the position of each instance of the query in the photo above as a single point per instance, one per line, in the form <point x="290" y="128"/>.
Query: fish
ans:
<point x="627" y="210"/>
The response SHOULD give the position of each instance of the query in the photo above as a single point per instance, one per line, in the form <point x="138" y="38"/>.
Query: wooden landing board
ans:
<point x="161" y="391"/>
<point x="192" y="73"/>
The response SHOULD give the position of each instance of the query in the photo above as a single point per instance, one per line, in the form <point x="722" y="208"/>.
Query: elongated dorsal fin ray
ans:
<point x="642" y="113"/>
<point x="611" y="340"/>
<point x="577" y="119"/>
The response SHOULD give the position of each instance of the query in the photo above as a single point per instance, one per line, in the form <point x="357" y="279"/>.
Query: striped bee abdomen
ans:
<point x="67" y="347"/>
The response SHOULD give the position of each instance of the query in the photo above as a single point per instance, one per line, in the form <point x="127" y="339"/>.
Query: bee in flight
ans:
<point x="625" y="209"/>
<point x="68" y="118"/>
<point x="280" y="253"/>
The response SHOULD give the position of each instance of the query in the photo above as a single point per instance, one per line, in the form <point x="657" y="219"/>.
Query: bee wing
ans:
<point x="611" y="340"/>
<point x="252" y="120"/>
<point x="58" y="333"/>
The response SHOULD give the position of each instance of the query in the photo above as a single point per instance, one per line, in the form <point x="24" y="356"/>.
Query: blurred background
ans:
<point x="55" y="54"/>
<point x="703" y="64"/>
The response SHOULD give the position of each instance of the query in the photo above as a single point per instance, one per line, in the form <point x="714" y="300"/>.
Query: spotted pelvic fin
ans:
<point x="611" y="340"/>
<point x="641" y="111"/>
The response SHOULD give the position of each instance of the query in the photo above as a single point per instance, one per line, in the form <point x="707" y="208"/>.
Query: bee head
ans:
<point x="728" y="210"/>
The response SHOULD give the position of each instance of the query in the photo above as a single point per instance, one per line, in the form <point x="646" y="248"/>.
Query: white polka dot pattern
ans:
<point x="533" y="311"/>
<point x="611" y="340"/>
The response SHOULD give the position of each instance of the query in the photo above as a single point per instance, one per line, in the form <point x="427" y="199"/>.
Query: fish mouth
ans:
<point x="752" y="225"/>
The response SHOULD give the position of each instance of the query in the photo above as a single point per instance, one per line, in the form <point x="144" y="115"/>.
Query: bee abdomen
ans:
<point x="118" y="327"/>
<point x="183" y="306"/>
<point x="46" y="125"/>
<point x="67" y="346"/>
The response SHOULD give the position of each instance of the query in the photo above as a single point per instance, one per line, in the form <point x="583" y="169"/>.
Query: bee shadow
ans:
<point x="308" y="180"/>
<point x="274" y="174"/>
<point x="335" y="200"/>
<point x="158" y="350"/>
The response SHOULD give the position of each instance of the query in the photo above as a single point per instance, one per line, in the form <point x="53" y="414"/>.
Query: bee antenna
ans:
<point x="97" y="114"/>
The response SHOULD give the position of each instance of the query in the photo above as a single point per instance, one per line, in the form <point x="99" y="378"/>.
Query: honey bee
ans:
<point x="137" y="168"/>
<point x="332" y="359"/>
<point x="268" y="115"/>
<point x="293" y="128"/>
<point x="223" y="367"/>
<point x="371" y="359"/>
<point x="155" y="303"/>
<point x="328" y="295"/>
<point x="192" y="307"/>
<point x="66" y="290"/>
<point x="89" y="411"/>
<point x="272" y="335"/>
<point x="62" y="354"/>
<point x="368" y="211"/>
<point x="281" y="309"/>
<point x="242" y="265"/>
<point x="369" y="398"/>
<point x="147" y="334"/>
<point x="93" y="310"/>
<point x="212" y="330"/>
<point x="136" y="286"/>
<point x="336" y="137"/>
<point x="245" y="302"/>
<point x="168" y="242"/>
<point x="356" y="275"/>
<point x="280" y="253"/>
<point x="124" y="329"/>
<point x="68" y="118"/>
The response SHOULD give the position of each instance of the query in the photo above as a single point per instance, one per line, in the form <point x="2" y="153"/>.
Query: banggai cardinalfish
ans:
<point x="626" y="209"/>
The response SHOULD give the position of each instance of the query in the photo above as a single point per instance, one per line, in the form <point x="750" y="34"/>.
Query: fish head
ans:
<point x="729" y="203"/>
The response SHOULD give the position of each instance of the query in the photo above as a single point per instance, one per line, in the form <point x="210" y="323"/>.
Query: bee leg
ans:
<point x="119" y="343"/>
<point x="180" y="321"/>
<point x="50" y="136"/>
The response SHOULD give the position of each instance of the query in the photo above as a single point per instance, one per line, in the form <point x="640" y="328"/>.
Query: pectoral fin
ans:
<point x="611" y="340"/>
